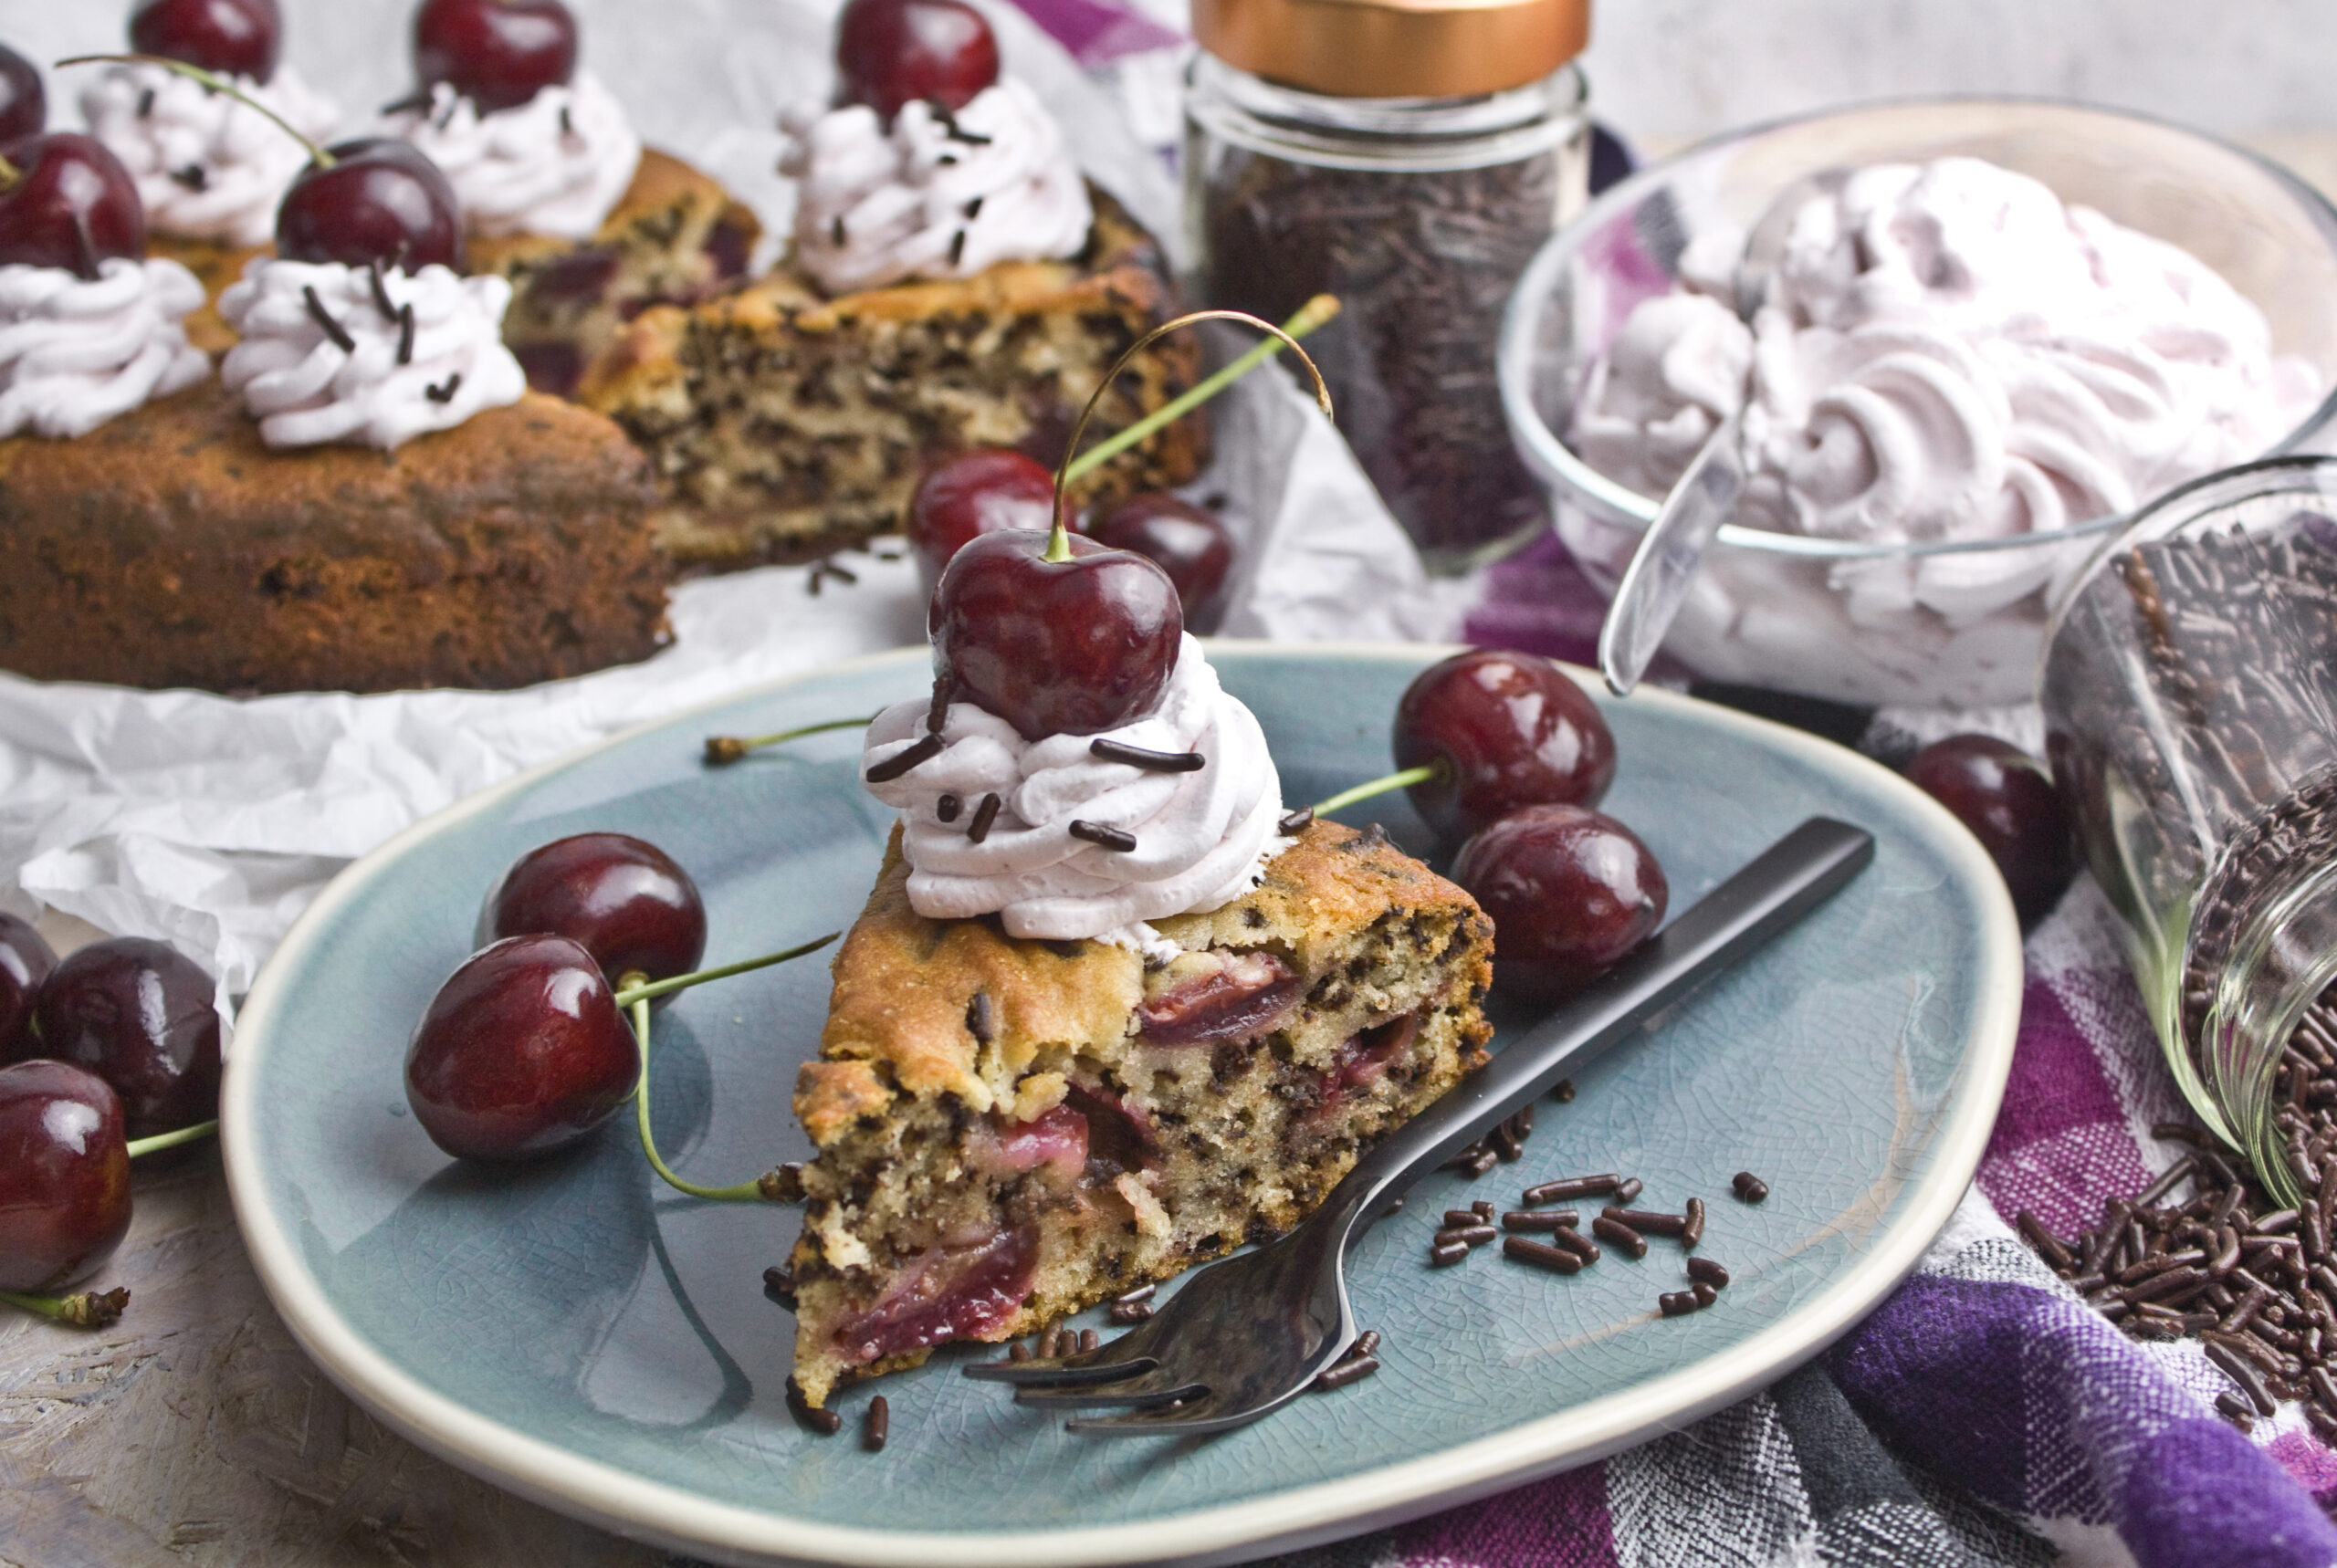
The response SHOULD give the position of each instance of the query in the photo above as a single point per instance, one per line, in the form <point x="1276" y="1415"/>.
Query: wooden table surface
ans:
<point x="195" y="1432"/>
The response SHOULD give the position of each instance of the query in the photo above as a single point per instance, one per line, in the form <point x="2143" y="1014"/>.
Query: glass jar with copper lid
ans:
<point x="1408" y="156"/>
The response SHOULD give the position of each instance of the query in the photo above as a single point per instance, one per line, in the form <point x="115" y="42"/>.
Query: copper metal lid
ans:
<point x="1395" y="48"/>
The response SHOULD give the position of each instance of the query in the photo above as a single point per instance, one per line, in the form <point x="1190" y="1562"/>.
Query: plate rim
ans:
<point x="642" y="1508"/>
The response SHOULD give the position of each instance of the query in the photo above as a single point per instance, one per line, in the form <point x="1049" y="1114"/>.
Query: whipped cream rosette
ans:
<point x="1947" y="351"/>
<point x="556" y="165"/>
<point x="1201" y="836"/>
<point x="367" y="356"/>
<point x="76" y="352"/>
<point x="936" y="194"/>
<point x="207" y="167"/>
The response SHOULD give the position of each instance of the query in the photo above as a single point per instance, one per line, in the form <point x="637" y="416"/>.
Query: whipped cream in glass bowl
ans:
<point x="207" y="167"/>
<point x="1201" y="836"/>
<point x="2010" y="326"/>
<point x="934" y="194"/>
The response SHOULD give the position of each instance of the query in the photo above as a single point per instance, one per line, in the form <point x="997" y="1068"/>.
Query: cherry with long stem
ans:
<point x="635" y="993"/>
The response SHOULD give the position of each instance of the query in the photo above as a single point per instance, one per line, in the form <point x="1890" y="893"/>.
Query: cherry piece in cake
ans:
<point x="138" y="1014"/>
<point x="521" y="1053"/>
<point x="982" y="490"/>
<point x="378" y="200"/>
<point x="1070" y="647"/>
<point x="1187" y="542"/>
<point x="2006" y="799"/>
<point x="893" y="52"/>
<point x="64" y="1175"/>
<point x="497" y="53"/>
<point x="1570" y="891"/>
<point x="1510" y="730"/>
<point x="24" y="102"/>
<point x="66" y="200"/>
<point x="627" y="902"/>
<point x="233" y="37"/>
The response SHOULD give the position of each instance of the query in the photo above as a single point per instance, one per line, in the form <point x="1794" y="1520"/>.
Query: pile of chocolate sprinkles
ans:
<point x="2253" y="1280"/>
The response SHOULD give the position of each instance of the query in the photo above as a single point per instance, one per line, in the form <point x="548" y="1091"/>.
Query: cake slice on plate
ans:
<point x="1107" y="1014"/>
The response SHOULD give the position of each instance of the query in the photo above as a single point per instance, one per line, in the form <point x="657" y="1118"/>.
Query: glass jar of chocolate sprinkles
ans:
<point x="1409" y="158"/>
<point x="2190" y="697"/>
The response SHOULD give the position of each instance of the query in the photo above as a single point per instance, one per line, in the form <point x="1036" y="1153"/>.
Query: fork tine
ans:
<point x="1165" y="1421"/>
<point x="1149" y="1387"/>
<point x="1065" y="1372"/>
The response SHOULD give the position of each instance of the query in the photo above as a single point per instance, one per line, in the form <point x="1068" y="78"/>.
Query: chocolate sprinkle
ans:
<point x="1704" y="1271"/>
<point x="820" y="1423"/>
<point x="335" y="333"/>
<point x="1647" y="1222"/>
<point x="1692" y="1235"/>
<point x="923" y="750"/>
<point x="1462" y="1216"/>
<point x="835" y="231"/>
<point x="1564" y="1092"/>
<point x="381" y="300"/>
<point x="1616" y="1234"/>
<point x="982" y="1018"/>
<point x="1293" y="823"/>
<point x="191" y="178"/>
<point x="1572" y="1187"/>
<point x="86" y="264"/>
<point x="1629" y="1191"/>
<point x="1445" y="1256"/>
<point x="1749" y="1188"/>
<point x="1366" y="1343"/>
<point x="1467" y="1234"/>
<point x="406" y="336"/>
<point x="946" y="810"/>
<point x="146" y="104"/>
<point x="1676" y="1304"/>
<point x="1541" y="1254"/>
<point x="984" y="815"/>
<point x="879" y="1426"/>
<point x="1130" y="1312"/>
<point x="1705" y="1294"/>
<point x="1104" y="836"/>
<point x="957" y="247"/>
<point x="1151" y="761"/>
<point x="1575" y="1242"/>
<point x="444" y="393"/>
<point x="1348" y="1371"/>
<point x="1539" y="1219"/>
<point x="1090" y="1339"/>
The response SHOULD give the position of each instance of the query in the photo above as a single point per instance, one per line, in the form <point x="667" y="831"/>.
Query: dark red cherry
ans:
<point x="1187" y="542"/>
<point x="497" y="53"/>
<point x="66" y="200"/>
<point x="1570" y="891"/>
<point x="233" y="37"/>
<point x="1071" y="647"/>
<point x="382" y="200"/>
<point x="25" y="959"/>
<point x="24" y="102"/>
<point x="1511" y="730"/>
<point x="138" y="1014"/>
<point x="625" y="901"/>
<point x="893" y="52"/>
<point x="2006" y="797"/>
<point x="522" y="1052"/>
<point x="978" y="491"/>
<point x="64" y="1175"/>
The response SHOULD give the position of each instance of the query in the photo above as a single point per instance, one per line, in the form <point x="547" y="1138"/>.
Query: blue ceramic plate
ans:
<point x="582" y="1335"/>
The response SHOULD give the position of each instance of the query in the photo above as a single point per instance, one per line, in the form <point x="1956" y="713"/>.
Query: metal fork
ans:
<point x="1246" y="1335"/>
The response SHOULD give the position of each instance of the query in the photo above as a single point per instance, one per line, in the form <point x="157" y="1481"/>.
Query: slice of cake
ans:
<point x="1011" y="1131"/>
<point x="171" y="547"/>
<point x="784" y="424"/>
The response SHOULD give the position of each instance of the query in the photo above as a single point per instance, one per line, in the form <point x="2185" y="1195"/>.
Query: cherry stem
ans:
<point x="172" y="1140"/>
<point x="1311" y="315"/>
<point x="745" y="1192"/>
<point x="87" y="1310"/>
<point x="724" y="749"/>
<point x="634" y="989"/>
<point x="1426" y="772"/>
<point x="216" y="83"/>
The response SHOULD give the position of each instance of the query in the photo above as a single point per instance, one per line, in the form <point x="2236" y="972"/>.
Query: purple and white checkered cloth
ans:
<point x="1983" y="1414"/>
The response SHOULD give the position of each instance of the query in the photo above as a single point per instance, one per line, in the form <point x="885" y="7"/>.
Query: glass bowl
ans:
<point x="1854" y="622"/>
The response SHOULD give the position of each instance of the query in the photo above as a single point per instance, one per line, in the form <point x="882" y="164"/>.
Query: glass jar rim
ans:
<point x="1423" y="135"/>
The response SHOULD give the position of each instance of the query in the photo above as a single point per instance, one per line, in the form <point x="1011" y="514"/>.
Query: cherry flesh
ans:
<point x="1510" y="730"/>
<point x="24" y="101"/>
<point x="2006" y="797"/>
<point x="522" y="1052"/>
<point x="138" y="1014"/>
<point x="982" y="490"/>
<point x="380" y="201"/>
<point x="1187" y="542"/>
<point x="26" y="960"/>
<point x="893" y="52"/>
<point x="1071" y="647"/>
<point x="1570" y="891"/>
<point x="64" y="1175"/>
<point x="68" y="203"/>
<point x="626" y="902"/>
<point x="233" y="37"/>
<point x="497" y="53"/>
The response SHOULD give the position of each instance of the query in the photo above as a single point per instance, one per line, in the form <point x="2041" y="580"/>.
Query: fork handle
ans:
<point x="1791" y="878"/>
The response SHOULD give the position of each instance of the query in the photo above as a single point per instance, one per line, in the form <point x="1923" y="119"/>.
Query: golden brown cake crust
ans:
<point x="215" y="266"/>
<point x="785" y="426"/>
<point x="171" y="547"/>
<point x="899" y="1017"/>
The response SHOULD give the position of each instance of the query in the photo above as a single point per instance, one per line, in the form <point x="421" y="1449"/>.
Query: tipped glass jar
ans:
<point x="1408" y="158"/>
<point x="2190" y="696"/>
